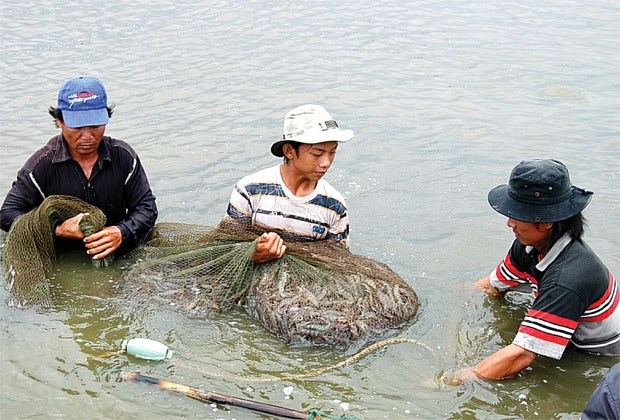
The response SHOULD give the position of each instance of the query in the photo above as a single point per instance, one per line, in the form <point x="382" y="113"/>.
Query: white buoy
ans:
<point x="148" y="349"/>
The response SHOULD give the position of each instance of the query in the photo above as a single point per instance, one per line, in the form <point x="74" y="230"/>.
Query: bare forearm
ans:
<point x="505" y="363"/>
<point x="485" y="284"/>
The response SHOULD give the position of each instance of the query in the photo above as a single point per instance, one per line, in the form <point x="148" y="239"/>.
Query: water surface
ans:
<point x="445" y="97"/>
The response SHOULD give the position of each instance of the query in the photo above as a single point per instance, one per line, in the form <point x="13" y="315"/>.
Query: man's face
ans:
<point x="82" y="141"/>
<point x="313" y="160"/>
<point x="532" y="234"/>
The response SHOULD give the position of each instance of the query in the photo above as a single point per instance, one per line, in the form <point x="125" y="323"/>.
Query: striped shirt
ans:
<point x="264" y="200"/>
<point x="576" y="298"/>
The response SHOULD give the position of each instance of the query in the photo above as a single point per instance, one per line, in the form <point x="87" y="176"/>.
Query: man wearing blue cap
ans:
<point x="576" y="296"/>
<point x="83" y="163"/>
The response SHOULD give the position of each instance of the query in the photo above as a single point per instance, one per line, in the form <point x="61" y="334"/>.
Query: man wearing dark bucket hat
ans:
<point x="293" y="197"/>
<point x="83" y="163"/>
<point x="576" y="296"/>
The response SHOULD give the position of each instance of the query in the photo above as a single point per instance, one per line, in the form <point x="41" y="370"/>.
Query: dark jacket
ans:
<point x="605" y="400"/>
<point x="118" y="186"/>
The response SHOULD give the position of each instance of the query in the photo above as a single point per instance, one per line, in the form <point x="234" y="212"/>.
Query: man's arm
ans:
<point x="503" y="364"/>
<point x="141" y="217"/>
<point x="22" y="198"/>
<point x="485" y="284"/>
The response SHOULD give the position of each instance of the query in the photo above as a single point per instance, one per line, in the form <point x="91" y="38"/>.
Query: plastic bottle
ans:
<point x="148" y="349"/>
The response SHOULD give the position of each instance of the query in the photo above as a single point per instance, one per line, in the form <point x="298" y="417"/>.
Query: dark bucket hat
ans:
<point x="539" y="191"/>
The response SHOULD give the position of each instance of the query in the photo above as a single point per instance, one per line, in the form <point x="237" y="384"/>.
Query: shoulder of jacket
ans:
<point x="116" y="144"/>
<point x="45" y="153"/>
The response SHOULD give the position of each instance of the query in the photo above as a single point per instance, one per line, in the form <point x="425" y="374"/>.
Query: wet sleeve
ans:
<point x="142" y="210"/>
<point x="605" y="400"/>
<point x="508" y="275"/>
<point x="339" y="230"/>
<point x="551" y="322"/>
<point x="25" y="195"/>
<point x="239" y="205"/>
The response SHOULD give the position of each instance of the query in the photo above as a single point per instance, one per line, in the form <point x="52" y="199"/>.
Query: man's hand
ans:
<point x="270" y="246"/>
<point x="485" y="284"/>
<point x="455" y="377"/>
<point x="503" y="364"/>
<point x="70" y="228"/>
<point x="100" y="244"/>
<point x="104" y="242"/>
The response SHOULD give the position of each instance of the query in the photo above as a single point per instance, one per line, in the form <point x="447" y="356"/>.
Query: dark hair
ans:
<point x="295" y="145"/>
<point x="574" y="226"/>
<point x="56" y="113"/>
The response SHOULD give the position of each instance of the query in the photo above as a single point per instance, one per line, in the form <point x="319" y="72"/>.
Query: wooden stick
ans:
<point x="207" y="396"/>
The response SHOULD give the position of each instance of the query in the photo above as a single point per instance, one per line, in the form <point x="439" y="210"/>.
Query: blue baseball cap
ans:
<point x="83" y="102"/>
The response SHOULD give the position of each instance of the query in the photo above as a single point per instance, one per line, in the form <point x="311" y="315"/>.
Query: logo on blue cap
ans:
<point x="83" y="102"/>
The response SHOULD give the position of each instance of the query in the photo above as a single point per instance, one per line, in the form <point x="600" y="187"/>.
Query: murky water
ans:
<point x="445" y="98"/>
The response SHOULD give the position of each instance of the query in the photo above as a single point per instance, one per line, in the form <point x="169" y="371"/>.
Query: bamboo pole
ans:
<point x="207" y="396"/>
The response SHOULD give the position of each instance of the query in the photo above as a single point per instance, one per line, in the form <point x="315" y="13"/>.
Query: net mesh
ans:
<point x="318" y="293"/>
<point x="30" y="250"/>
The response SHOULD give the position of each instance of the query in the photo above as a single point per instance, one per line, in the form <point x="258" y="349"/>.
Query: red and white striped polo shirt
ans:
<point x="576" y="298"/>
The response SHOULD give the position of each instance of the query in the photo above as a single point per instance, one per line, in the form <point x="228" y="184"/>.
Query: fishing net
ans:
<point x="30" y="249"/>
<point x="318" y="293"/>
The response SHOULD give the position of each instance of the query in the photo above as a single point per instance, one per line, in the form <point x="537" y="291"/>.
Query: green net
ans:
<point x="317" y="415"/>
<point x="30" y="251"/>
<point x="318" y="293"/>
